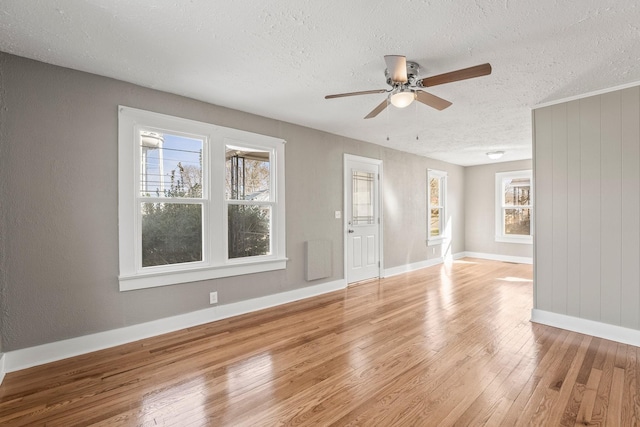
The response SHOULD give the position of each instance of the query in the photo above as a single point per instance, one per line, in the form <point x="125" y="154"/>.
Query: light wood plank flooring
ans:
<point x="447" y="345"/>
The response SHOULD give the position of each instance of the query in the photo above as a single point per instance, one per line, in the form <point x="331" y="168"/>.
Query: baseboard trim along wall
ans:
<point x="498" y="257"/>
<point x="588" y="327"/>
<point x="394" y="271"/>
<point x="39" y="355"/>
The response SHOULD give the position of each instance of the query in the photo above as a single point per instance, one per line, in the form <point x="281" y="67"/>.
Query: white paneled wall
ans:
<point x="587" y="184"/>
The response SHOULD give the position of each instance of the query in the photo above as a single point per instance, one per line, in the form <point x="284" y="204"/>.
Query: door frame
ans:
<point x="345" y="226"/>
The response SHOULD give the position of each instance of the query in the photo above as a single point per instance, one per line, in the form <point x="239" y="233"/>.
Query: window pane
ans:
<point x="362" y="209"/>
<point x="171" y="233"/>
<point x="170" y="165"/>
<point x="434" y="191"/>
<point x="517" y="192"/>
<point x="248" y="174"/>
<point x="249" y="231"/>
<point x="517" y="221"/>
<point x="434" y="222"/>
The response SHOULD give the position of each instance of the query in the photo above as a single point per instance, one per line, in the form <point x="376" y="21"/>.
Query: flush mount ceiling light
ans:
<point x="495" y="155"/>
<point x="402" y="98"/>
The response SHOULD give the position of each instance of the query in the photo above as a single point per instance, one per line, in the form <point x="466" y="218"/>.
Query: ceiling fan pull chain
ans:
<point x="415" y="113"/>
<point x="387" y="118"/>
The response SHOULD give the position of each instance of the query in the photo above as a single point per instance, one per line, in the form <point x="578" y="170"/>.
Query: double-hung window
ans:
<point x="436" y="202"/>
<point x="514" y="206"/>
<point x="196" y="201"/>
<point x="249" y="201"/>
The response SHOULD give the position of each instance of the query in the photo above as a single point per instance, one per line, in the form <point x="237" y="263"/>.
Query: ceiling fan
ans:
<point x="402" y="76"/>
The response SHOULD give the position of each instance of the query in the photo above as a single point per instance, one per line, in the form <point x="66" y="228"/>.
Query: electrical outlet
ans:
<point x="213" y="298"/>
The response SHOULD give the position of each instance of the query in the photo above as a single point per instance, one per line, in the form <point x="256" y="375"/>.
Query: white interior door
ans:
<point x="362" y="218"/>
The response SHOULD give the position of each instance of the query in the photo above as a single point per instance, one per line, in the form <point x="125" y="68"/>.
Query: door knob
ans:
<point x="351" y="231"/>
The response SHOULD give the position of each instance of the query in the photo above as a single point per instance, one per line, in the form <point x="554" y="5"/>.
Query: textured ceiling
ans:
<point x="278" y="58"/>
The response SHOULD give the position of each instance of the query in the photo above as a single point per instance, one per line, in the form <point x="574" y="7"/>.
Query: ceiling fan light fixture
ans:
<point x="495" y="155"/>
<point x="402" y="98"/>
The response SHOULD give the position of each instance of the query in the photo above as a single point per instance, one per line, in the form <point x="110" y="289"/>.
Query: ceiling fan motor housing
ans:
<point x="413" y="69"/>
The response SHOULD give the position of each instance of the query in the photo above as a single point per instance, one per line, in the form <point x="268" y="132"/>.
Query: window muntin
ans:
<point x="436" y="197"/>
<point x="514" y="206"/>
<point x="362" y="198"/>
<point x="178" y="216"/>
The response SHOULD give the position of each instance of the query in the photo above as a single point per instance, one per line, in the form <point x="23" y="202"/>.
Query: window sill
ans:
<point x="156" y="279"/>
<point x="524" y="240"/>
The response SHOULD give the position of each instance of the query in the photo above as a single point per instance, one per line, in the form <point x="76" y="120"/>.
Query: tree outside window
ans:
<point x="436" y="198"/>
<point x="514" y="206"/>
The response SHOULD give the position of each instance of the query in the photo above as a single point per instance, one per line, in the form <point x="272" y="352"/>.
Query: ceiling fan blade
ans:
<point x="432" y="100"/>
<point x="397" y="67"/>
<point x="454" y="76"/>
<point x="378" y="109"/>
<point x="364" y="92"/>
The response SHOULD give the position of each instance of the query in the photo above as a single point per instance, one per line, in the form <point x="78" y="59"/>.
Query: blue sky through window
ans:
<point x="162" y="154"/>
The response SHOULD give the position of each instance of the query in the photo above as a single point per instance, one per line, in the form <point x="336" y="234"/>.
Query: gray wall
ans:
<point x="405" y="196"/>
<point x="587" y="172"/>
<point x="480" y="196"/>
<point x="58" y="182"/>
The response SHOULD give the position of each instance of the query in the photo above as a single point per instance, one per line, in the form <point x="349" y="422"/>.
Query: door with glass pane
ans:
<point x="362" y="213"/>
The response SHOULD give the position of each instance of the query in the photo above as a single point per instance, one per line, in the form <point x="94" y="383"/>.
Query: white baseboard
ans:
<point x="589" y="327"/>
<point x="394" y="271"/>
<point x="498" y="257"/>
<point x="33" y="356"/>
<point x="2" y="371"/>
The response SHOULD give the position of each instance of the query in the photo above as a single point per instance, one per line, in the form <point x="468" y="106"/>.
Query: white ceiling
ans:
<point x="279" y="58"/>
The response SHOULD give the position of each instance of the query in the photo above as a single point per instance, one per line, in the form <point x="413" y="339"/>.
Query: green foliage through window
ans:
<point x="172" y="232"/>
<point x="248" y="231"/>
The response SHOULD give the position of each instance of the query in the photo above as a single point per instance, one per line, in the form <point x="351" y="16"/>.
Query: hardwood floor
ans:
<point x="447" y="345"/>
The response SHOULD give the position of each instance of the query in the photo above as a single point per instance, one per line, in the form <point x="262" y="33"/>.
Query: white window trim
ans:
<point x="499" y="206"/>
<point x="442" y="175"/>
<point x="215" y="263"/>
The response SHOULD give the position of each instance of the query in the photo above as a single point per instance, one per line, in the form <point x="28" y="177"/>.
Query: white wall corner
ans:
<point x="33" y="356"/>
<point x="589" y="327"/>
<point x="498" y="257"/>
<point x="459" y="255"/>
<point x="2" y="369"/>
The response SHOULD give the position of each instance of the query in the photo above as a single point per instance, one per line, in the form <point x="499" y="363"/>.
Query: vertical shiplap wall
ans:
<point x="587" y="175"/>
<point x="630" y="260"/>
